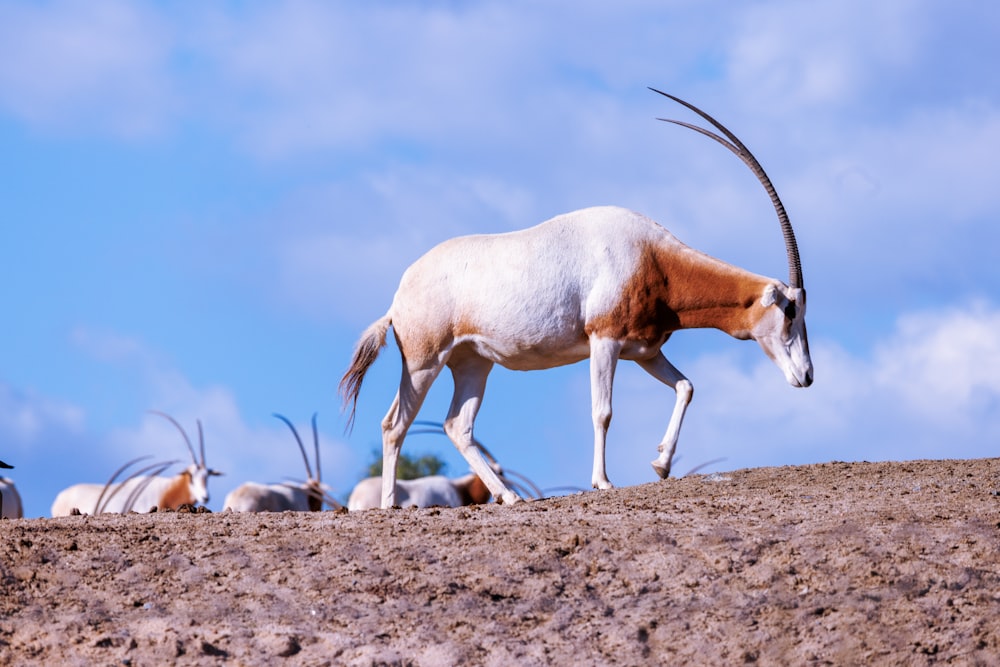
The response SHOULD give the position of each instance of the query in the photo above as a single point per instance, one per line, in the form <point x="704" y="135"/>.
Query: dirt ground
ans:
<point x="839" y="563"/>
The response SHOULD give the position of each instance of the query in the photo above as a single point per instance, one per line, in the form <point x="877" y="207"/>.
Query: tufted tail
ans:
<point x="369" y="346"/>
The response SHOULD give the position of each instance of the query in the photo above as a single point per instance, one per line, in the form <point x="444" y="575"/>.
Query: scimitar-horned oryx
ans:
<point x="604" y="283"/>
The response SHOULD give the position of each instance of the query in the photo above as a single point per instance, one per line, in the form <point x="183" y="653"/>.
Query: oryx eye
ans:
<point x="790" y="310"/>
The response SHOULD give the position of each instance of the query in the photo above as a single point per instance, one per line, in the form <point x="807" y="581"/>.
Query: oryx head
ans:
<point x="780" y="326"/>
<point x="198" y="472"/>
<point x="781" y="332"/>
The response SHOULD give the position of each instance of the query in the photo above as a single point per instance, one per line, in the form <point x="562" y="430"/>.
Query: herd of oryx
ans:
<point x="600" y="283"/>
<point x="146" y="489"/>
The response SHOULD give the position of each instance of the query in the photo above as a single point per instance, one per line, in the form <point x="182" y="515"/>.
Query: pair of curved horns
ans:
<point x="187" y="440"/>
<point x="151" y="470"/>
<point x="305" y="458"/>
<point x="743" y="153"/>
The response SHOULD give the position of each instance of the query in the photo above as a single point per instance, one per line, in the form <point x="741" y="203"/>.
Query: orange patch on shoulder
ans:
<point x="643" y="313"/>
<point x="178" y="493"/>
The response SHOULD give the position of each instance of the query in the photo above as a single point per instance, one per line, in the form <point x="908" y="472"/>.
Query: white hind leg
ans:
<point x="470" y="373"/>
<point x="413" y="387"/>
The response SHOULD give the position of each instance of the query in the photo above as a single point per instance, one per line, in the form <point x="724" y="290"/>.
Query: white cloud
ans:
<point x="343" y="256"/>
<point x="110" y="347"/>
<point x="100" y="66"/>
<point x="27" y="419"/>
<point x="319" y="76"/>
<point x="39" y="435"/>
<point x="944" y="366"/>
<point x="821" y="54"/>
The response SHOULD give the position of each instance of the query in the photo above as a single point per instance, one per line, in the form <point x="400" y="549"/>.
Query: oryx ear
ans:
<point x="215" y="473"/>
<point x="770" y="296"/>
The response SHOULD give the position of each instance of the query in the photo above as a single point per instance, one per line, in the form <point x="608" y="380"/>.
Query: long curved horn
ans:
<point x="187" y="440"/>
<point x="526" y="485"/>
<point x="742" y="152"/>
<point x="519" y="482"/>
<point x="153" y="469"/>
<point x="703" y="465"/>
<point x="437" y="428"/>
<point x="201" y="445"/>
<point x="313" y="489"/>
<point x="154" y="472"/>
<point x="319" y="475"/>
<point x="114" y="476"/>
<point x="297" y="440"/>
<point x="330" y="500"/>
<point x="316" y="490"/>
<point x="433" y="427"/>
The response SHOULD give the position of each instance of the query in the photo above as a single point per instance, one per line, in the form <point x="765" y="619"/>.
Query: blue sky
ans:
<point x="203" y="205"/>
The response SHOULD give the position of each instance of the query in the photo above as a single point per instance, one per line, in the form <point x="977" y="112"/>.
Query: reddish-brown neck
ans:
<point x="675" y="287"/>
<point x="707" y="293"/>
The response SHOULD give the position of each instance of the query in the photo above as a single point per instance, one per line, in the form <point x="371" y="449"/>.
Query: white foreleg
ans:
<point x="603" y="360"/>
<point x="665" y="372"/>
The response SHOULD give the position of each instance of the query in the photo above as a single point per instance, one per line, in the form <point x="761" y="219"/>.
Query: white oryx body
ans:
<point x="142" y="492"/>
<point x="431" y="491"/>
<point x="289" y="497"/>
<point x="600" y="283"/>
<point x="256" y="497"/>
<point x="10" y="500"/>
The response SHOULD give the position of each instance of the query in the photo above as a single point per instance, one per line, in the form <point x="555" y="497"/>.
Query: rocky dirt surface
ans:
<point x="839" y="563"/>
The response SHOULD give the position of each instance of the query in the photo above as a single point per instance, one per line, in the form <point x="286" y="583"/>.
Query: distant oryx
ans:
<point x="143" y="492"/>
<point x="438" y="490"/>
<point x="10" y="499"/>
<point x="304" y="497"/>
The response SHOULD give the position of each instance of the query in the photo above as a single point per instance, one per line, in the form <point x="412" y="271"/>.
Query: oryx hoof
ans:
<point x="662" y="471"/>
<point x="509" y="498"/>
